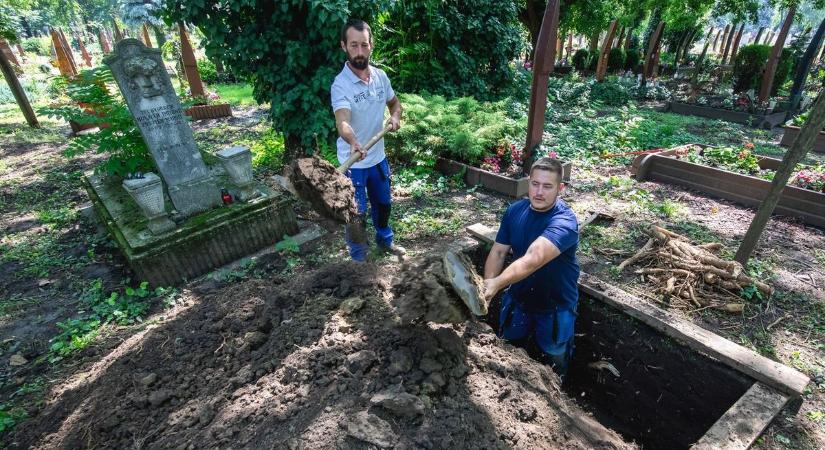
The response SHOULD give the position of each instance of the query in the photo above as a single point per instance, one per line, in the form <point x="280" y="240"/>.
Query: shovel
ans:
<point x="355" y="156"/>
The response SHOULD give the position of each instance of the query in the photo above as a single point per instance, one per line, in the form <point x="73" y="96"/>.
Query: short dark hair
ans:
<point x="358" y="24"/>
<point x="549" y="164"/>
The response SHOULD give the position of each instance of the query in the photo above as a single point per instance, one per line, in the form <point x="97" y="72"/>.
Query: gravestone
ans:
<point x="139" y="72"/>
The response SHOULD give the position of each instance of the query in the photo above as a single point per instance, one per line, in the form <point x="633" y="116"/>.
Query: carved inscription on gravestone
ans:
<point x="142" y="78"/>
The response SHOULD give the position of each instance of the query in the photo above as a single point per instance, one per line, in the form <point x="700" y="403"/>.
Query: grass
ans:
<point x="236" y="94"/>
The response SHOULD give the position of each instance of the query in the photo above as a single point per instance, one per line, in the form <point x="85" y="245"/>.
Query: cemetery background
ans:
<point x="56" y="263"/>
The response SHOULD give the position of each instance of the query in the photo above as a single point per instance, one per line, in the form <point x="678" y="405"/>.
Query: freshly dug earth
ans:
<point x="318" y="361"/>
<point x="424" y="294"/>
<point x="328" y="191"/>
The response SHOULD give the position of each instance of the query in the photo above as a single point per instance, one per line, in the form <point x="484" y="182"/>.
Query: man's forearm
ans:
<point x="493" y="265"/>
<point x="395" y="110"/>
<point x="347" y="133"/>
<point x="518" y="270"/>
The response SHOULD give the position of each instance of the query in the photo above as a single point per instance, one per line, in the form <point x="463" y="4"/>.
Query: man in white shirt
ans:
<point x="360" y="94"/>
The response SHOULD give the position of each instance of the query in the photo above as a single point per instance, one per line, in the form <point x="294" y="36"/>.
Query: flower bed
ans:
<point x="514" y="187"/>
<point x="674" y="166"/>
<point x="791" y="132"/>
<point x="200" y="112"/>
<point x="758" y="120"/>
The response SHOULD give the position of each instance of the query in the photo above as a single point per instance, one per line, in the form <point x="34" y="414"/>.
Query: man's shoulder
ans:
<point x="516" y="208"/>
<point x="564" y="213"/>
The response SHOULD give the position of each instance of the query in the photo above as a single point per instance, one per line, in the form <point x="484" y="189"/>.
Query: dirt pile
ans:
<point x="328" y="191"/>
<point x="314" y="361"/>
<point x="423" y="293"/>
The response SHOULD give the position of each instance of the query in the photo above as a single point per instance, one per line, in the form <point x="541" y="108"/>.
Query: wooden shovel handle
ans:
<point x="355" y="156"/>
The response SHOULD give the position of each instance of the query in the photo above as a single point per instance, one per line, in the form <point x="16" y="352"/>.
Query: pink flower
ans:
<point x="553" y="155"/>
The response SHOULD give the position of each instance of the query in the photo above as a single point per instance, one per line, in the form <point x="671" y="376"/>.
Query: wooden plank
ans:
<point x="742" y="424"/>
<point x="758" y="367"/>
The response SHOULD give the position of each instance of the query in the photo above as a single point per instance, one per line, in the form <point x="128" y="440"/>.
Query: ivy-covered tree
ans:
<point x="289" y="51"/>
<point x="452" y="47"/>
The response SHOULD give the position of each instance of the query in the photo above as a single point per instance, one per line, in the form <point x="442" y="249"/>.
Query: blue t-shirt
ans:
<point x="553" y="286"/>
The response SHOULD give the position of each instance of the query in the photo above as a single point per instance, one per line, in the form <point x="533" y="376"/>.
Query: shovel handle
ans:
<point x="355" y="156"/>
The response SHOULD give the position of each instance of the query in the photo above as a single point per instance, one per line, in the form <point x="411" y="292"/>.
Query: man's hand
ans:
<point x="356" y="147"/>
<point x="491" y="288"/>
<point x="394" y="123"/>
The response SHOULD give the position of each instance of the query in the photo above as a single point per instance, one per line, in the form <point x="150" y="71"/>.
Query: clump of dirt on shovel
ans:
<point x="424" y="294"/>
<point x="328" y="191"/>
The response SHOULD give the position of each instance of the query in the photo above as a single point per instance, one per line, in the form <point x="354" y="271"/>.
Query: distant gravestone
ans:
<point x="142" y="78"/>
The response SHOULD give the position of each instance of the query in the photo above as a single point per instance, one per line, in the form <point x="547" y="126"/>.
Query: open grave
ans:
<point x="660" y="381"/>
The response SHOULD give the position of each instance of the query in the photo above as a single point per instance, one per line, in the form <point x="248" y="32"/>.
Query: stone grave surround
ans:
<point x="140" y="74"/>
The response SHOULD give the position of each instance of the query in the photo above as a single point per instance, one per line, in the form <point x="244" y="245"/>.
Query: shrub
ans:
<point x="610" y="93"/>
<point x="632" y="60"/>
<point x="783" y="70"/>
<point x="207" y="71"/>
<point x="615" y="60"/>
<point x="748" y="65"/>
<point x="37" y="45"/>
<point x="581" y="59"/>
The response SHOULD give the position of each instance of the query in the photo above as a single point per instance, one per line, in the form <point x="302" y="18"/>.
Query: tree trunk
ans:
<point x="542" y="68"/>
<point x="293" y="148"/>
<point x="773" y="61"/>
<point x="594" y="42"/>
<point x="628" y="40"/>
<point x="688" y="45"/>
<point x="17" y="91"/>
<point x="723" y="40"/>
<point x="715" y="40"/>
<point x="728" y="43"/>
<point x="736" y="41"/>
<point x="803" y="68"/>
<point x="800" y="147"/>
<point x="650" y="57"/>
<point x="758" y="35"/>
<point x="620" y="39"/>
<point x="601" y="67"/>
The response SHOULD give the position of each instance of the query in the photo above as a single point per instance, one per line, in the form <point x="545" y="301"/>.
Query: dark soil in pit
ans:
<point x="318" y="361"/>
<point x="667" y="395"/>
<point x="321" y="185"/>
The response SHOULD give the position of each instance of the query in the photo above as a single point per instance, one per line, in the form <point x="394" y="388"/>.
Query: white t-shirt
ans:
<point x="367" y="102"/>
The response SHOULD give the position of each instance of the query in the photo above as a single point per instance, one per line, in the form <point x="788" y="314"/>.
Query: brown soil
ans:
<point x="320" y="361"/>
<point x="328" y="191"/>
<point x="424" y="294"/>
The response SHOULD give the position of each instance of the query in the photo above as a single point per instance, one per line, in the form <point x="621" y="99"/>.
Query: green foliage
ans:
<point x="615" y="59"/>
<point x="97" y="310"/>
<point x="38" y="45"/>
<point x="740" y="160"/>
<point x="288" y="50"/>
<point x="632" y="60"/>
<point x="268" y="152"/>
<point x="119" y="136"/>
<point x="10" y="416"/>
<point x="610" y="93"/>
<point x="450" y="48"/>
<point x="207" y="71"/>
<point x="35" y="90"/>
<point x="749" y="65"/>
<point x="463" y="129"/>
<point x="581" y="59"/>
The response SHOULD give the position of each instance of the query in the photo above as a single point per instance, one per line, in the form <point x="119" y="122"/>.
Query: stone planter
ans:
<point x="809" y="206"/>
<point x="792" y="132"/>
<point x="493" y="181"/>
<point x="200" y="112"/>
<point x="147" y="192"/>
<point x="766" y="121"/>
<point x="237" y="161"/>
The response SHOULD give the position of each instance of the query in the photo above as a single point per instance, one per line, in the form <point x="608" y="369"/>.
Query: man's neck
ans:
<point x="546" y="209"/>
<point x="363" y="74"/>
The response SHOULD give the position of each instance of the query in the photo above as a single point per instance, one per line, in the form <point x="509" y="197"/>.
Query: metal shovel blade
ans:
<point x="465" y="282"/>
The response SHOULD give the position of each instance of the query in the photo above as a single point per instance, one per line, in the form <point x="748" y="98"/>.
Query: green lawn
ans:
<point x="236" y="94"/>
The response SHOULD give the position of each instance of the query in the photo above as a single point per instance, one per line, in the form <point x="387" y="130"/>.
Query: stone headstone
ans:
<point x="145" y="84"/>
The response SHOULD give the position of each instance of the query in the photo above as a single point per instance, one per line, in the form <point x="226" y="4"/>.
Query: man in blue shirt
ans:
<point x="360" y="94"/>
<point x="543" y="293"/>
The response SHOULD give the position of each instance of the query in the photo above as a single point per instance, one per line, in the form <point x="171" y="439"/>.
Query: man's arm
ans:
<point x="540" y="252"/>
<point x="343" y="117"/>
<point x="395" y="113"/>
<point x="495" y="260"/>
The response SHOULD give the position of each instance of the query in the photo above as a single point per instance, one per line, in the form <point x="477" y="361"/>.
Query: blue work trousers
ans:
<point x="373" y="184"/>
<point x="551" y="331"/>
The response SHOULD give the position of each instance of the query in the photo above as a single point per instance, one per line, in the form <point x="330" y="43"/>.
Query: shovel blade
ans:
<point x="465" y="282"/>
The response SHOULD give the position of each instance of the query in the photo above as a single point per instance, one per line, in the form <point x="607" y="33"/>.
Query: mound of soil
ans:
<point x="328" y="191"/>
<point x="318" y="361"/>
<point x="423" y="294"/>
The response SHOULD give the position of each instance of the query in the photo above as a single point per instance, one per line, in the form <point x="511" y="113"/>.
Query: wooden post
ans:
<point x="20" y="50"/>
<point x="618" y="42"/>
<point x="601" y="67"/>
<point x="6" y="49"/>
<point x="62" y="60"/>
<point x="104" y="42"/>
<point x="145" y="32"/>
<point x="800" y="147"/>
<point x="118" y="33"/>
<point x="758" y="35"/>
<point x="736" y="40"/>
<point x="67" y="50"/>
<point x="83" y="52"/>
<point x="542" y="68"/>
<point x="723" y="40"/>
<point x="190" y="65"/>
<point x="628" y="40"/>
<point x="728" y="43"/>
<point x="570" y="47"/>
<point x="715" y="40"/>
<point x="804" y="67"/>
<point x="652" y="47"/>
<point x="773" y="60"/>
<point x="17" y="91"/>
